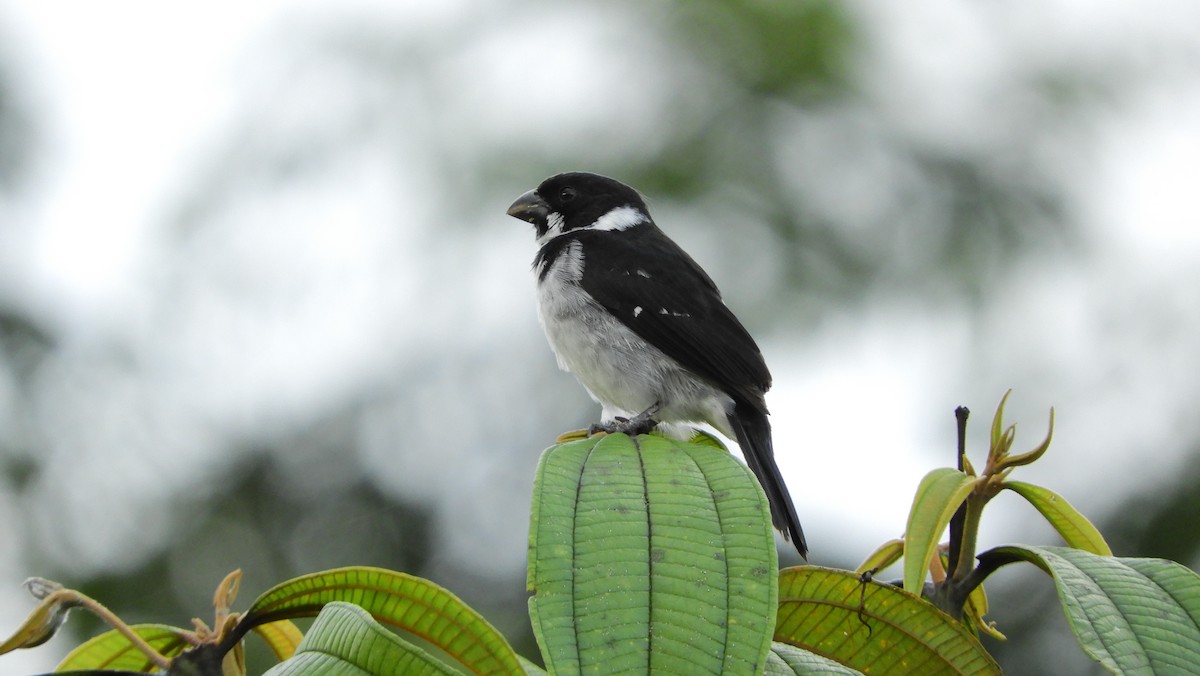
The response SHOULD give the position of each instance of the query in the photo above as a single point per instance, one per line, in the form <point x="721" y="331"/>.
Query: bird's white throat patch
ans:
<point x="621" y="218"/>
<point x="554" y="223"/>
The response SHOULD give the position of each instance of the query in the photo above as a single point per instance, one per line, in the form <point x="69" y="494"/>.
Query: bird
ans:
<point x="644" y="328"/>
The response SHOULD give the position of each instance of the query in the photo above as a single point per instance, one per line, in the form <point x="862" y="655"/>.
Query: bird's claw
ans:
<point x="619" y="425"/>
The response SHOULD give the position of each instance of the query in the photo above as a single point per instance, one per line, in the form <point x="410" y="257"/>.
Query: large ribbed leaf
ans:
<point x="111" y="650"/>
<point x="403" y="601"/>
<point x="650" y="556"/>
<point x="1133" y="616"/>
<point x="873" y="627"/>
<point x="345" y="641"/>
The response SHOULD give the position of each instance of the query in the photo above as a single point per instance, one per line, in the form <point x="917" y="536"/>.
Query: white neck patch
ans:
<point x="621" y="218"/>
<point x="555" y="222"/>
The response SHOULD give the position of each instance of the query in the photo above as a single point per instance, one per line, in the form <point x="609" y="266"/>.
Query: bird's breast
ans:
<point x="621" y="370"/>
<point x="588" y="341"/>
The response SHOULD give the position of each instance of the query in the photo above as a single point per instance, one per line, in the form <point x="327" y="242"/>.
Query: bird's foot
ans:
<point x="641" y="423"/>
<point x="631" y="426"/>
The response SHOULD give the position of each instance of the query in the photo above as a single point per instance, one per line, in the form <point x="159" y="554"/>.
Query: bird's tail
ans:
<point x="753" y="431"/>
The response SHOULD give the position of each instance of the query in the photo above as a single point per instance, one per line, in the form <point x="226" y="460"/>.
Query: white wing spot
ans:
<point x="643" y="273"/>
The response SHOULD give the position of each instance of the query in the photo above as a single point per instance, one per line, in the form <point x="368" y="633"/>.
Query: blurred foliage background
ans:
<point x="260" y="306"/>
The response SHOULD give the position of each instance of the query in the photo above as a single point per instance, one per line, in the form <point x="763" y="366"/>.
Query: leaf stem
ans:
<point x="110" y="618"/>
<point x="972" y="509"/>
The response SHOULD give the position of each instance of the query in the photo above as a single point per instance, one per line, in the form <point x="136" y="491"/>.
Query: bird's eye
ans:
<point x="566" y="194"/>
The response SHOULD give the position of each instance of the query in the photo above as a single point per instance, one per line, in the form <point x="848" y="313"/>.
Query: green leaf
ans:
<point x="111" y="650"/>
<point x="705" y="439"/>
<point x="883" y="556"/>
<point x="938" y="496"/>
<point x="1033" y="455"/>
<point x="345" y="641"/>
<point x="1074" y="527"/>
<point x="397" y="599"/>
<point x="1133" y="616"/>
<point x="530" y="668"/>
<point x="788" y="660"/>
<point x="873" y="627"/>
<point x="46" y="619"/>
<point x="650" y="556"/>
<point x="282" y="637"/>
<point x="975" y="611"/>
<point x="997" y="435"/>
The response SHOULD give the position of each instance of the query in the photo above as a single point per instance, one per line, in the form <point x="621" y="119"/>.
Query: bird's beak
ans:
<point x="530" y="208"/>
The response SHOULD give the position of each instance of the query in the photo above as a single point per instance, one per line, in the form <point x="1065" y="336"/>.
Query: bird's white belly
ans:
<point x="622" y="372"/>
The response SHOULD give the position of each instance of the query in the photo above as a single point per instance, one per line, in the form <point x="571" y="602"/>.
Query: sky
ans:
<point x="158" y="98"/>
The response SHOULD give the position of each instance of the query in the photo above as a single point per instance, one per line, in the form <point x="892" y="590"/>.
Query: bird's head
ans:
<point x="576" y="201"/>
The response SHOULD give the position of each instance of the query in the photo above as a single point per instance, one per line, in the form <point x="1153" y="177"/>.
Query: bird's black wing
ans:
<point x="653" y="287"/>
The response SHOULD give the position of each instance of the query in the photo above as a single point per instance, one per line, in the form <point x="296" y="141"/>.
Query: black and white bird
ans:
<point x="644" y="328"/>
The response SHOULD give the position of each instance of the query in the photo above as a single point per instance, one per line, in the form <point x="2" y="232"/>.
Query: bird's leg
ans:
<point x="638" y="424"/>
